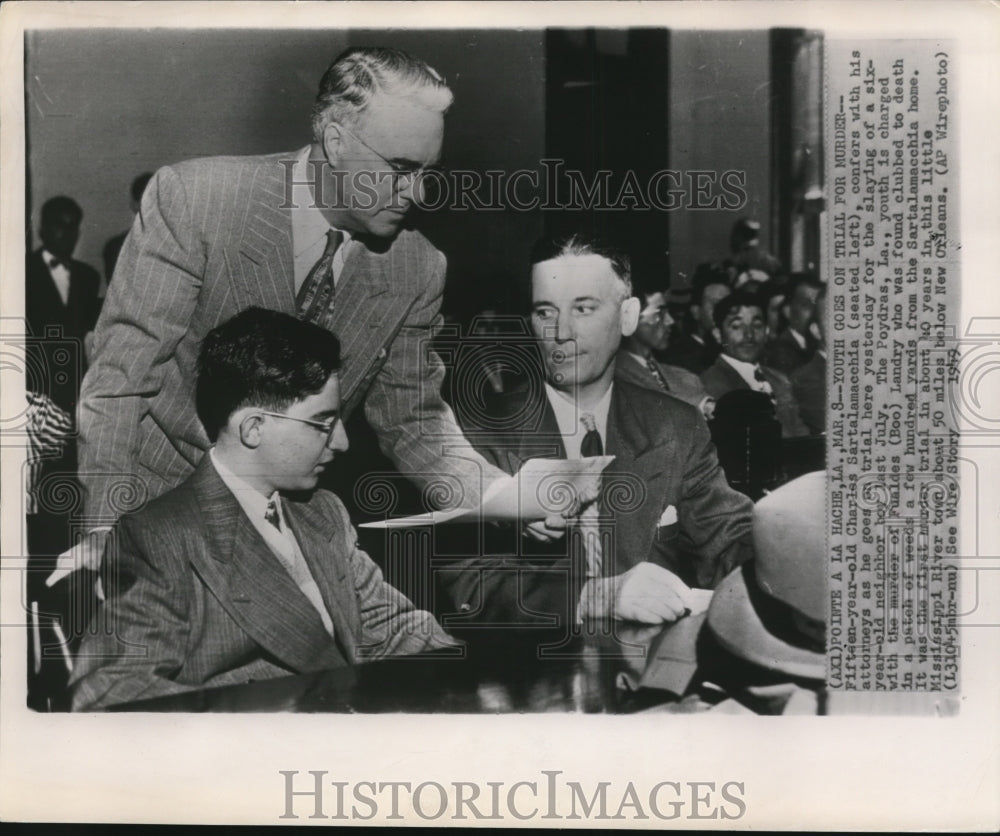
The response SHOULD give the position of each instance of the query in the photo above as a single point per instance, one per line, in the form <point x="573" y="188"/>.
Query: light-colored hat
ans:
<point x="772" y="610"/>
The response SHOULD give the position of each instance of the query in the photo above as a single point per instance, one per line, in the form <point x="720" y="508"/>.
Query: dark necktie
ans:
<point x="654" y="370"/>
<point x="762" y="384"/>
<point x="589" y="519"/>
<point x="314" y="300"/>
<point x="271" y="513"/>
<point x="591" y="444"/>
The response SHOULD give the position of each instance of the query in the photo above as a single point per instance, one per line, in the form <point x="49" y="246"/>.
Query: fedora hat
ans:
<point x="772" y="610"/>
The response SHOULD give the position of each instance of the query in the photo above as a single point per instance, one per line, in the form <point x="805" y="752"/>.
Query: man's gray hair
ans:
<point x="360" y="73"/>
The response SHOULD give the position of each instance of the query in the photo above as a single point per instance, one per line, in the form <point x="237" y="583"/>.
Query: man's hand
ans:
<point x="545" y="531"/>
<point x="646" y="593"/>
<point x="87" y="554"/>
<point x="554" y="525"/>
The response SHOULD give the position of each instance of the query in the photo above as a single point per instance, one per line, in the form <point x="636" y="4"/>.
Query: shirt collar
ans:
<point x="252" y="501"/>
<point x="568" y="413"/>
<point x="308" y="223"/>
<point x="48" y="258"/>
<point x="799" y="339"/>
<point x="748" y="371"/>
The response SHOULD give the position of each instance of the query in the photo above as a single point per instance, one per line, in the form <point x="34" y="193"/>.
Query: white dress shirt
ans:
<point x="309" y="227"/>
<point x="748" y="372"/>
<point x="568" y="414"/>
<point x="60" y="275"/>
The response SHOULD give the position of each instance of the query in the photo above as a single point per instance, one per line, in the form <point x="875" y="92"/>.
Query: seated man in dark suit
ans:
<point x="668" y="519"/>
<point x="245" y="571"/>
<point x="809" y="381"/>
<point x="794" y="346"/>
<point x="637" y="364"/>
<point x="741" y="329"/>
<point x="698" y="350"/>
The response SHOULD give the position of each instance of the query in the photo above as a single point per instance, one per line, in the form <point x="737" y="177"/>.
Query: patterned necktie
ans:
<point x="314" y="300"/>
<point x="271" y="512"/>
<point x="654" y="370"/>
<point x="589" y="519"/>
<point x="591" y="444"/>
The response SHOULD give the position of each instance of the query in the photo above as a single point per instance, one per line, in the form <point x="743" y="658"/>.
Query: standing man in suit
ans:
<point x="245" y="571"/>
<point x="60" y="293"/>
<point x="674" y="523"/>
<point x="795" y="345"/>
<point x="637" y="363"/>
<point x="809" y="381"/>
<point x="741" y="329"/>
<point x="316" y="232"/>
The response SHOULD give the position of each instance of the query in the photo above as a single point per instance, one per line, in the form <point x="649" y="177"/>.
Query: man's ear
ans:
<point x="717" y="335"/>
<point x="630" y="316"/>
<point x="250" y="429"/>
<point x="333" y="141"/>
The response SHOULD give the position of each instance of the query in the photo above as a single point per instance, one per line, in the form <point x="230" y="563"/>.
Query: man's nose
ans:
<point x="408" y="188"/>
<point x="668" y="320"/>
<point x="564" y="329"/>
<point x="338" y="441"/>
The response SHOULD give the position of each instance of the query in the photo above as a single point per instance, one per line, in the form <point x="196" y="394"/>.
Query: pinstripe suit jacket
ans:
<point x="197" y="599"/>
<point x="213" y="237"/>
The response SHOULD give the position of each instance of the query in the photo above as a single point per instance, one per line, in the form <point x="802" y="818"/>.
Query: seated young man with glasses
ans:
<point x="245" y="571"/>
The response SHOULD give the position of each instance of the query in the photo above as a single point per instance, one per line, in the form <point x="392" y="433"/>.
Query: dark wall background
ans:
<point x="720" y="120"/>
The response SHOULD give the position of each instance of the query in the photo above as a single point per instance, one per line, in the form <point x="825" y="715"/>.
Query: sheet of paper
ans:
<point x="540" y="488"/>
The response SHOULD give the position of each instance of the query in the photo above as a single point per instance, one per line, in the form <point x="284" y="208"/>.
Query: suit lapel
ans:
<point x="363" y="285"/>
<point x="252" y="585"/>
<point x="262" y="266"/>
<point x="638" y="458"/>
<point x="316" y="535"/>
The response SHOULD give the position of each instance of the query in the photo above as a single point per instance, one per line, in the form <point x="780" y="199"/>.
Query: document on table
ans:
<point x="540" y="488"/>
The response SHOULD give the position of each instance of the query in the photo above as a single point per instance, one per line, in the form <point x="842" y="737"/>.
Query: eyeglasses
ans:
<point x="407" y="170"/>
<point x="329" y="427"/>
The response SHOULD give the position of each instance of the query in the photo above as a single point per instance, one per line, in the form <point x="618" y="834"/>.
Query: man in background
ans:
<point x="637" y="363"/>
<point x="60" y="304"/>
<point x="698" y="350"/>
<point x="794" y="346"/>
<point x="809" y="381"/>
<point x="741" y="330"/>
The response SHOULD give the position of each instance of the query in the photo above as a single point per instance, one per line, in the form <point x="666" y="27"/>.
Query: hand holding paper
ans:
<point x="542" y="488"/>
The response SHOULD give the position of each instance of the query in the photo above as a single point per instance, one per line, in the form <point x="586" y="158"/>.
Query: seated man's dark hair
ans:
<point x="261" y="358"/>
<point x="733" y="302"/>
